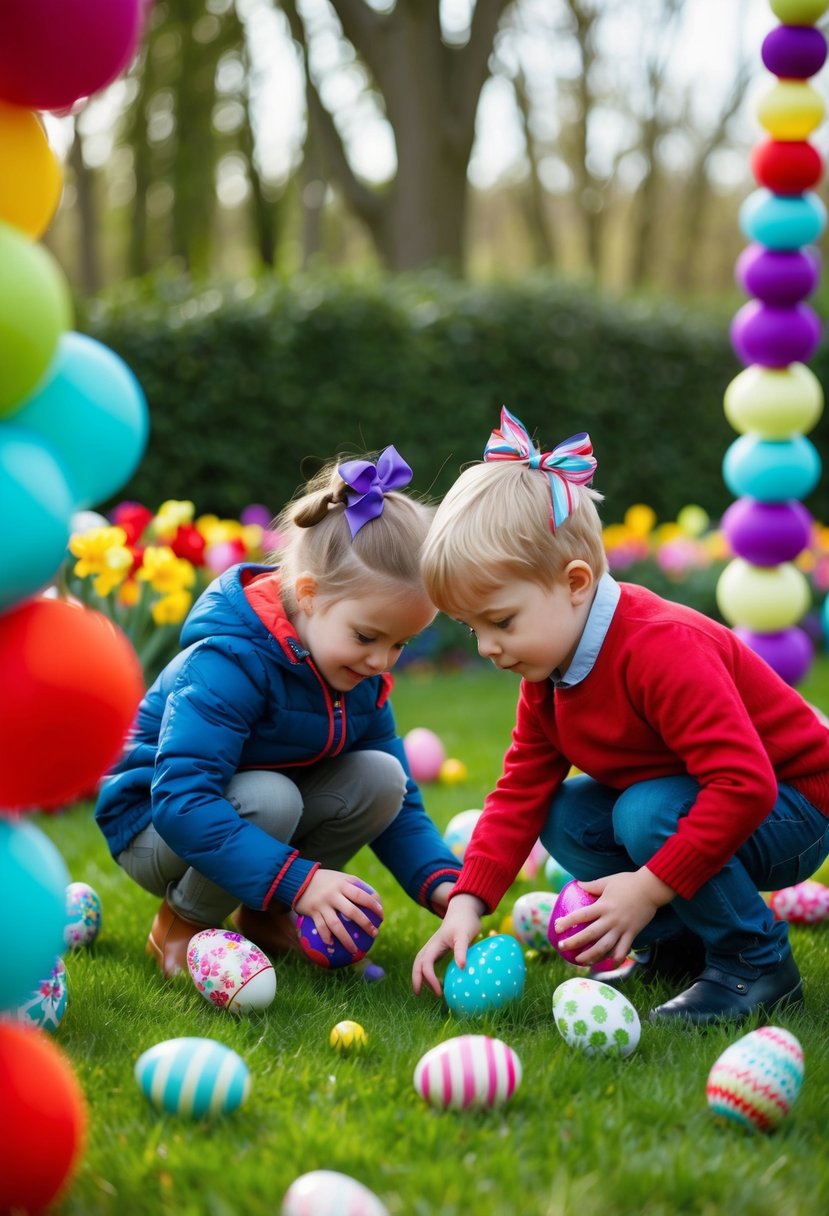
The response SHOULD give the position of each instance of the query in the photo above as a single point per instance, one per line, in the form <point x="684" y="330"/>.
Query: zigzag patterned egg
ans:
<point x="329" y="1193"/>
<point x="230" y="971"/>
<point x="494" y="975"/>
<point x="596" y="1018"/>
<point x="470" y="1071"/>
<point x="193" y="1076"/>
<point x="756" y="1080"/>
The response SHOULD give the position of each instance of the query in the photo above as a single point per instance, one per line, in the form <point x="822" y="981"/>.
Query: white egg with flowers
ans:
<point x="530" y="917"/>
<point x="755" y="1080"/>
<point x="595" y="1018"/>
<point x="229" y="971"/>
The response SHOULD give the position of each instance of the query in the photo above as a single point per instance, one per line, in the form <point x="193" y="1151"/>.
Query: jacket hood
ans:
<point x="224" y="609"/>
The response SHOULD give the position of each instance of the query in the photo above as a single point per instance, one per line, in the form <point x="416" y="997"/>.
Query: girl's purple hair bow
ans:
<point x="369" y="483"/>
<point x="571" y="463"/>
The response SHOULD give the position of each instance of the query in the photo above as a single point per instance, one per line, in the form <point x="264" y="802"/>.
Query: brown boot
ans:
<point x="169" y="938"/>
<point x="273" y="931"/>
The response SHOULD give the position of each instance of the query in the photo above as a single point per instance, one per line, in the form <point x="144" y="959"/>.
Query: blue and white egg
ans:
<point x="47" y="1004"/>
<point x="494" y="975"/>
<point x="193" y="1076"/>
<point x="329" y="1193"/>
<point x="459" y="831"/>
<point x="83" y="915"/>
<point x="530" y="917"/>
<point x="597" y="1019"/>
<point x="471" y="1071"/>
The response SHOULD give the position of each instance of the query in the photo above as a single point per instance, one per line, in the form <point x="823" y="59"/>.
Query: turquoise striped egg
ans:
<point x="193" y="1076"/>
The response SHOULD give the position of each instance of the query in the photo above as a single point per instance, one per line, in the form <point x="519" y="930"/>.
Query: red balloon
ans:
<point x="45" y="1119"/>
<point x="54" y="54"/>
<point x="786" y="166"/>
<point x="71" y="685"/>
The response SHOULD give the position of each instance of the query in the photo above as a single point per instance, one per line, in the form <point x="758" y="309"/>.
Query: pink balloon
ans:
<point x="424" y="752"/>
<point x="52" y="54"/>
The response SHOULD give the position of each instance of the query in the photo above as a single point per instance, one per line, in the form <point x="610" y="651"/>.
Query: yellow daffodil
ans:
<point x="640" y="519"/>
<point x="102" y="556"/>
<point x="171" y="515"/>
<point x="216" y="531"/>
<point x="171" y="609"/>
<point x="165" y="572"/>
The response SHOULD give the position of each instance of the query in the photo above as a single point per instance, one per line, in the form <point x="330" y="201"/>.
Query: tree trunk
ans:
<point x="89" y="269"/>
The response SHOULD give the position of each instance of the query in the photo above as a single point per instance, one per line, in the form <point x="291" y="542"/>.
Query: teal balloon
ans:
<point x="781" y="221"/>
<point x="36" y="509"/>
<point x="771" y="470"/>
<point x="33" y="882"/>
<point x="92" y="410"/>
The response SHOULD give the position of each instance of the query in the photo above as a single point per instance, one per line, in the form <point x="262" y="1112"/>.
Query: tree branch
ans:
<point x="469" y="66"/>
<point x="363" y="28"/>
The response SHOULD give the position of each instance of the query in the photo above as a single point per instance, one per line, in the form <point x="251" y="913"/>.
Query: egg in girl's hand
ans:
<point x="530" y="917"/>
<point x="329" y="1193"/>
<point x="229" y="971"/>
<point x="83" y="915"/>
<point x="193" y="1076"/>
<point x="493" y="976"/>
<point x="756" y="1079"/>
<point x="47" y="1004"/>
<point x="596" y="1018"/>
<point x="570" y="898"/>
<point x="336" y="955"/>
<point x="471" y="1070"/>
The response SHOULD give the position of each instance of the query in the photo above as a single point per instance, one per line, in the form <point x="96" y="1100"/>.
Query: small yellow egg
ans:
<point x="452" y="772"/>
<point x="348" y="1037"/>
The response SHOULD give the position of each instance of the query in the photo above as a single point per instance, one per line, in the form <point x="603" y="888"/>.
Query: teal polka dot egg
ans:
<point x="596" y="1018"/>
<point x="192" y="1076"/>
<point x="493" y="976"/>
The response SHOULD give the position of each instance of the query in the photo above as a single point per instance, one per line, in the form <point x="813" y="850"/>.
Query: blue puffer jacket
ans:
<point x="245" y="694"/>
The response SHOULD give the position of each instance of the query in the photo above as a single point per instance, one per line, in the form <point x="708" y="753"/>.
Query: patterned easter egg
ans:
<point x="336" y="954"/>
<point x="535" y="860"/>
<point x="596" y="1018"/>
<point x="348" y="1037"/>
<point x="459" y="830"/>
<point x="556" y="874"/>
<point x="329" y="1193"/>
<point x="806" y="903"/>
<point x="229" y="971"/>
<point x="494" y="975"/>
<point x="570" y="898"/>
<point x="83" y="915"/>
<point x="756" y="1079"/>
<point x="530" y="917"/>
<point x="47" y="1004"/>
<point x="472" y="1070"/>
<point x="192" y="1076"/>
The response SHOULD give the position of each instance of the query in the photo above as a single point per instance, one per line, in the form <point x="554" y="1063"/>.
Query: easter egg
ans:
<point x="470" y="1071"/>
<point x="805" y="903"/>
<point x="535" y="859"/>
<point x="596" y="1018"/>
<point x="493" y="976"/>
<point x="348" y="1037"/>
<point x="229" y="971"/>
<point x="193" y="1076"/>
<point x="530" y="917"/>
<point x="762" y="598"/>
<point x="83" y="915"/>
<point x="425" y="753"/>
<point x="47" y="1004"/>
<point x="459" y="831"/>
<point x="452" y="772"/>
<point x="774" y="402"/>
<point x="556" y="874"/>
<point x="329" y="1193"/>
<point x="336" y="955"/>
<point x="570" y="898"/>
<point x="756" y="1079"/>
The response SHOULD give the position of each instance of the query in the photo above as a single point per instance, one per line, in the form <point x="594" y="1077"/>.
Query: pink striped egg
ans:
<point x="756" y="1079"/>
<point x="471" y="1070"/>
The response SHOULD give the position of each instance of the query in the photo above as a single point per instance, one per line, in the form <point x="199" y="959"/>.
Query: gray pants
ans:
<point x="327" y="812"/>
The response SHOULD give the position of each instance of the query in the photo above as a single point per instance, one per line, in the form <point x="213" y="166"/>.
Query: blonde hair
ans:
<point x="494" y="524"/>
<point x="316" y="538"/>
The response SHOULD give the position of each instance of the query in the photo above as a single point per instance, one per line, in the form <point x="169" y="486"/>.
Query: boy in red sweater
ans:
<point x="706" y="777"/>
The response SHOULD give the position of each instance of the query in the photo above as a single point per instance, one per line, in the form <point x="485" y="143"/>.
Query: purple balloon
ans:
<point x="775" y="337"/>
<point x="789" y="652"/>
<point x="794" y="51"/>
<point x="778" y="276"/>
<point x="767" y="533"/>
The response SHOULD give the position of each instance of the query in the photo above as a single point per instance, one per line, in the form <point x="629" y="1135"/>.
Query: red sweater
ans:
<point x="671" y="692"/>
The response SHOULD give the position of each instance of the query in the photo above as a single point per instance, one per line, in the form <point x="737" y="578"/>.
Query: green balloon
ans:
<point x="35" y="309"/>
<point x="799" y="12"/>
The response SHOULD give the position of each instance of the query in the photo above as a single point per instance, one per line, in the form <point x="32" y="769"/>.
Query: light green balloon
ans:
<point x="764" y="599"/>
<point x="799" y="12"/>
<point x="35" y="309"/>
<point x="774" y="403"/>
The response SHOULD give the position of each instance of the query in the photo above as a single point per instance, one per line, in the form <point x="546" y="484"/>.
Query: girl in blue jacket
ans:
<point x="266" y="754"/>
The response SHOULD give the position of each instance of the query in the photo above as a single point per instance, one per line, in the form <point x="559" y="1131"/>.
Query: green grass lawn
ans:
<point x="581" y="1137"/>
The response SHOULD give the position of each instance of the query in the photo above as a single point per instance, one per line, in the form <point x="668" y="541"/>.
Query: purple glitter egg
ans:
<point x="780" y="277"/>
<point x="789" y="652"/>
<point x="767" y="533"/>
<point x="336" y="955"/>
<point x="775" y="337"/>
<point x="794" y="52"/>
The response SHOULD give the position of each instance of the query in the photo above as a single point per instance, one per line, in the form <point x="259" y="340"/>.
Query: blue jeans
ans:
<point x="593" y="831"/>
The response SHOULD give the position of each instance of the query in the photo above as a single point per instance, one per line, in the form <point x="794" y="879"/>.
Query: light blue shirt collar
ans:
<point x="595" y="632"/>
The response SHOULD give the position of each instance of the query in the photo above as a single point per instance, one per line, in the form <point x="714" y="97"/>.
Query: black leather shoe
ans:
<point x="717" y="995"/>
<point x="674" y="959"/>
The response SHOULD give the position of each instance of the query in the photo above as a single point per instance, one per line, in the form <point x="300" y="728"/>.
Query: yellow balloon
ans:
<point x="799" y="12"/>
<point x="774" y="402"/>
<point x="790" y="110"/>
<point x="764" y="599"/>
<point x="31" y="180"/>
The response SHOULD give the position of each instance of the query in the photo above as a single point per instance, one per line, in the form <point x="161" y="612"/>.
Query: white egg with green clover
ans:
<point x="596" y="1018"/>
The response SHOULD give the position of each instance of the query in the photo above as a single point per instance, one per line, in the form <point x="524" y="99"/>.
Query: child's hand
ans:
<point x="626" y="903"/>
<point x="330" y="892"/>
<point x="460" y="926"/>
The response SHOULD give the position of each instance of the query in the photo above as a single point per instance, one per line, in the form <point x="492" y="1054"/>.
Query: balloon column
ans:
<point x="776" y="400"/>
<point x="73" y="427"/>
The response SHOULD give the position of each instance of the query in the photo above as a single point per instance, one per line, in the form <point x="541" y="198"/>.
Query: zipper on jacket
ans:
<point x="339" y="720"/>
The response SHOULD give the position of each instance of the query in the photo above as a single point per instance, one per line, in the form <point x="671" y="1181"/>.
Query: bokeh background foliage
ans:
<point x="249" y="387"/>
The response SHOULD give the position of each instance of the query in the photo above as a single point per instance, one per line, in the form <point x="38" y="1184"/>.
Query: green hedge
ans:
<point x="250" y="391"/>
